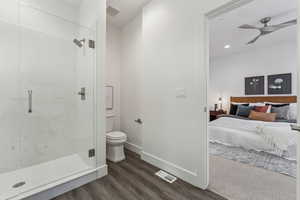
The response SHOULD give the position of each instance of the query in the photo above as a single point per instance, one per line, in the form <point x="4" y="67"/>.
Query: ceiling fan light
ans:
<point x="227" y="46"/>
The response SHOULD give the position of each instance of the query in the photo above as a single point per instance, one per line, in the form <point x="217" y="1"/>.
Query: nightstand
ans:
<point x="213" y="115"/>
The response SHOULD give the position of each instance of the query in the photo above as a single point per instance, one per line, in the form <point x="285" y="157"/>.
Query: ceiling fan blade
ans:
<point x="254" y="40"/>
<point x="285" y="24"/>
<point x="247" y="26"/>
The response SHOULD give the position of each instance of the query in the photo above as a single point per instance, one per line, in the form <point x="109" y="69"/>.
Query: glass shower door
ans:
<point x="47" y="75"/>
<point x="10" y="102"/>
<point x="57" y="132"/>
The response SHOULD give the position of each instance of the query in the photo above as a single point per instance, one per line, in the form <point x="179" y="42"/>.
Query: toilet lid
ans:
<point x="116" y="135"/>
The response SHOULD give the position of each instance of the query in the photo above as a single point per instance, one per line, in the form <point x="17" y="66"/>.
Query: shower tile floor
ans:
<point x="38" y="176"/>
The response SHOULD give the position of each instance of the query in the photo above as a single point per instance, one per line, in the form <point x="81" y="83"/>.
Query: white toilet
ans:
<point x="115" y="141"/>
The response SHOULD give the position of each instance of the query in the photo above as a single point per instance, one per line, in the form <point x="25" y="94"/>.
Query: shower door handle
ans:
<point x="29" y="101"/>
<point x="82" y="93"/>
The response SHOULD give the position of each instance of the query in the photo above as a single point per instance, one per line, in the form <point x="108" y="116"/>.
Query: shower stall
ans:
<point x="47" y="84"/>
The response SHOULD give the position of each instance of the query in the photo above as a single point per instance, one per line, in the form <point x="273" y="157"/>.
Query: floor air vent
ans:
<point x="165" y="176"/>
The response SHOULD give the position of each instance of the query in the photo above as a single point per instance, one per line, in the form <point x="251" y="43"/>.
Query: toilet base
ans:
<point x="115" y="153"/>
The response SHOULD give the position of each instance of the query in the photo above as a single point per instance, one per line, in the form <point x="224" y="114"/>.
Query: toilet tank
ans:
<point x="110" y="123"/>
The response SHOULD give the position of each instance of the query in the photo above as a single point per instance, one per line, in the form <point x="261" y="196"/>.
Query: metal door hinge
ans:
<point x="205" y="109"/>
<point x="82" y="93"/>
<point x="92" y="44"/>
<point x="92" y="153"/>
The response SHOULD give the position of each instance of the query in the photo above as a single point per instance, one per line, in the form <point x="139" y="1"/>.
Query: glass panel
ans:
<point x="10" y="105"/>
<point x="46" y="128"/>
<point x="57" y="127"/>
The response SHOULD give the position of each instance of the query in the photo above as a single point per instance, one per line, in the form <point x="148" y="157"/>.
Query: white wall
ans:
<point x="131" y="72"/>
<point x="99" y="8"/>
<point x="113" y="67"/>
<point x="174" y="130"/>
<point x="227" y="74"/>
<point x="123" y="71"/>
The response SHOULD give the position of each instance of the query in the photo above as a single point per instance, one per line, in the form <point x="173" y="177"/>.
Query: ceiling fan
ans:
<point x="267" y="29"/>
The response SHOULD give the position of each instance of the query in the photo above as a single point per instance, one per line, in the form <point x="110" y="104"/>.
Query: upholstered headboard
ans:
<point x="257" y="99"/>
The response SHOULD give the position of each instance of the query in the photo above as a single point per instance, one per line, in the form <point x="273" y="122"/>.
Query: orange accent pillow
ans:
<point x="263" y="109"/>
<point x="267" y="117"/>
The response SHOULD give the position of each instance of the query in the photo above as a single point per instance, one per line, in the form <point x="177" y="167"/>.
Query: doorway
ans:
<point x="247" y="160"/>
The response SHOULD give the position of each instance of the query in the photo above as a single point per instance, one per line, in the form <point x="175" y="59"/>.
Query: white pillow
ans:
<point x="257" y="104"/>
<point x="293" y="111"/>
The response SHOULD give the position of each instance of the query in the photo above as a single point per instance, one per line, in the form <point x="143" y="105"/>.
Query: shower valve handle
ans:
<point x="139" y="121"/>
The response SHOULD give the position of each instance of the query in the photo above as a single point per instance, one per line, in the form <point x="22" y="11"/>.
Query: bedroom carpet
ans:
<point x="237" y="181"/>
<point x="256" y="159"/>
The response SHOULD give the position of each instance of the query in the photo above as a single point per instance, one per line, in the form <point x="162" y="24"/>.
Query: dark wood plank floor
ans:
<point x="134" y="179"/>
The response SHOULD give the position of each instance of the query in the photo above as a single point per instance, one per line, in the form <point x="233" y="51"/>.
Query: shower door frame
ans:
<point x="58" y="187"/>
<point x="101" y="170"/>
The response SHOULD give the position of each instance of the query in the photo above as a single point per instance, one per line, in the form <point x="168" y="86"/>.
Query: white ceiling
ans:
<point x="128" y="10"/>
<point x="224" y="31"/>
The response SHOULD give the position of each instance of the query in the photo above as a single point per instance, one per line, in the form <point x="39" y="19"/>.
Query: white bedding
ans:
<point x="243" y="133"/>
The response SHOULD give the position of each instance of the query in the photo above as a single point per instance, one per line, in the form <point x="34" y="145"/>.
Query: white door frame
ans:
<point x="217" y="12"/>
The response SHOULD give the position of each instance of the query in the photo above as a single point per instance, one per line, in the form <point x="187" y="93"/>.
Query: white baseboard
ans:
<point x="184" y="174"/>
<point x="133" y="147"/>
<point x="55" y="189"/>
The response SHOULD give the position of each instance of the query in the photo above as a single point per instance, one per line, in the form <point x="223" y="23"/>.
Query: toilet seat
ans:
<point x="116" y="135"/>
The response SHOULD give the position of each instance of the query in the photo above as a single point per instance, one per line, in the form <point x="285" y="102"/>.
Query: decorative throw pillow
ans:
<point x="282" y="112"/>
<point x="267" y="117"/>
<point x="244" y="111"/>
<point x="234" y="108"/>
<point x="263" y="109"/>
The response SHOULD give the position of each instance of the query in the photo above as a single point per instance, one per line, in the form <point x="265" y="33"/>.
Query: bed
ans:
<point x="232" y="131"/>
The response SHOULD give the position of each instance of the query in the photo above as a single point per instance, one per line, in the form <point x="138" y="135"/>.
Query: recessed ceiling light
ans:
<point x="227" y="46"/>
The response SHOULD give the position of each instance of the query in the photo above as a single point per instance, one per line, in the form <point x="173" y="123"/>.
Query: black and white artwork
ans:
<point x="255" y="85"/>
<point x="280" y="84"/>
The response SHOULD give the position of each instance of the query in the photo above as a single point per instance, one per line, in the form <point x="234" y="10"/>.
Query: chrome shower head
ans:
<point x="79" y="43"/>
<point x="112" y="11"/>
